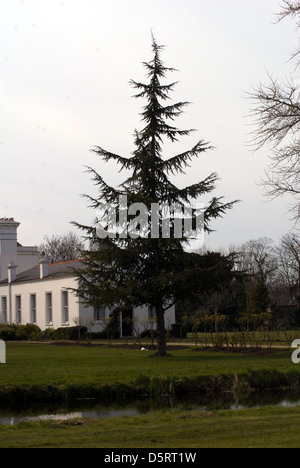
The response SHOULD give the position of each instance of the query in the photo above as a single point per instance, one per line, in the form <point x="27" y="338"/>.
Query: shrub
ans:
<point x="8" y="332"/>
<point x="99" y="335"/>
<point x="48" y="334"/>
<point x="149" y="334"/>
<point x="219" y="341"/>
<point x="70" y="333"/>
<point x="29" y="332"/>
<point x="12" y="332"/>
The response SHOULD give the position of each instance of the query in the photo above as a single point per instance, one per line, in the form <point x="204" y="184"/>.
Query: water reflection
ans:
<point x="86" y="409"/>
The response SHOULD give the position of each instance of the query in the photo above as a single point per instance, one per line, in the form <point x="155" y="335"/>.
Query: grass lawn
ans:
<point x="265" y="427"/>
<point x="39" y="364"/>
<point x="42" y="364"/>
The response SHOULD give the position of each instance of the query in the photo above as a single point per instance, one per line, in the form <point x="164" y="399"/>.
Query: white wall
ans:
<point x="141" y="318"/>
<point x="56" y="287"/>
<point x="27" y="258"/>
<point x="24" y="257"/>
<point x="40" y="289"/>
<point x="8" y="245"/>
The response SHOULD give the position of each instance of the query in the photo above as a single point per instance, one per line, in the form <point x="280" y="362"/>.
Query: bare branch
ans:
<point x="276" y="112"/>
<point x="276" y="120"/>
<point x="289" y="8"/>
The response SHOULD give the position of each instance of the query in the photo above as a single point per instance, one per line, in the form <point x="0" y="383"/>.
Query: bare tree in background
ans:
<point x="61" y="248"/>
<point x="288" y="254"/>
<point x="276" y="115"/>
<point x="258" y="259"/>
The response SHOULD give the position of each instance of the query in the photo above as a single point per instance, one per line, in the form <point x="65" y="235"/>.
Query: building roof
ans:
<point x="56" y="270"/>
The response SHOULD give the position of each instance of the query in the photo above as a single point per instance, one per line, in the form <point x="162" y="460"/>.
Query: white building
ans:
<point x="12" y="251"/>
<point x="41" y="293"/>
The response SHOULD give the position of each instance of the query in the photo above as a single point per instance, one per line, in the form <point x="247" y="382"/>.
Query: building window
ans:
<point x="18" y="310"/>
<point x="49" y="319"/>
<point x="99" y="313"/>
<point x="4" y="309"/>
<point x="33" y="308"/>
<point x="65" y="307"/>
<point x="151" y="311"/>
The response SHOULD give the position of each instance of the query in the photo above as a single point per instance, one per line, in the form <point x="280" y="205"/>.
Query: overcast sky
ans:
<point x="65" y="67"/>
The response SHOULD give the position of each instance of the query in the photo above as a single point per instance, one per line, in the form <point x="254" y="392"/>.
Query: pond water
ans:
<point x="10" y="415"/>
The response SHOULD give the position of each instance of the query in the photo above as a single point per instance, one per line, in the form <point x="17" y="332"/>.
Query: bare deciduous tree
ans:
<point x="258" y="259"/>
<point x="276" y="112"/>
<point x="288" y="253"/>
<point x="61" y="248"/>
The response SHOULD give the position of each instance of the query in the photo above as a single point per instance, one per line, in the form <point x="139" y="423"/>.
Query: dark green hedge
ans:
<point x="20" y="332"/>
<point x="31" y="332"/>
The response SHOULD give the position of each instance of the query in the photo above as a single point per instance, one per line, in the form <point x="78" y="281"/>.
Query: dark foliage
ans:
<point x="127" y="271"/>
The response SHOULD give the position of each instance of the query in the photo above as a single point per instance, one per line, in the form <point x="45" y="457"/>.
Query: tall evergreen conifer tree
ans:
<point x="130" y="271"/>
